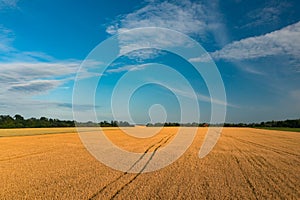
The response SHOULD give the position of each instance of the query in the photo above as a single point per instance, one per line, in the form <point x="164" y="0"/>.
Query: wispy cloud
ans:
<point x="6" y="39"/>
<point x="24" y="71"/>
<point x="22" y="82"/>
<point x="4" y="4"/>
<point x="30" y="75"/>
<point x="283" y="42"/>
<point x="8" y="53"/>
<point x="34" y="78"/>
<point x="269" y="14"/>
<point x="32" y="107"/>
<point x="141" y="54"/>
<point x="192" y="18"/>
<point x="21" y="70"/>
<point x="35" y="86"/>
<point x="184" y="16"/>
<point x="127" y="68"/>
<point x="203" y="58"/>
<point x="25" y="74"/>
<point x="202" y="97"/>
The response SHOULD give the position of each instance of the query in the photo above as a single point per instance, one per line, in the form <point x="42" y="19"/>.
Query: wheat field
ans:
<point x="245" y="164"/>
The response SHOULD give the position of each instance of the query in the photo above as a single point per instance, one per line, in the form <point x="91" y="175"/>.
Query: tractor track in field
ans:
<point x="248" y="181"/>
<point x="281" y="178"/>
<point x="256" y="166"/>
<point x="158" y="145"/>
<point x="259" y="163"/>
<point x="48" y="133"/>
<point x="25" y="155"/>
<point x="264" y="147"/>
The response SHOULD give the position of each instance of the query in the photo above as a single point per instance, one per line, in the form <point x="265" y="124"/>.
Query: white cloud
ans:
<point x="285" y="41"/>
<point x="25" y="74"/>
<point x="22" y="72"/>
<point x="21" y="67"/>
<point x="282" y="42"/>
<point x="35" y="86"/>
<point x="203" y="98"/>
<point x="37" y="108"/>
<point x="203" y="58"/>
<point x="6" y="38"/>
<point x="8" y="4"/>
<point x="8" y="53"/>
<point x="270" y="14"/>
<point x="147" y="43"/>
<point x="20" y="83"/>
<point x="192" y="18"/>
<point x="127" y="68"/>
<point x="184" y="16"/>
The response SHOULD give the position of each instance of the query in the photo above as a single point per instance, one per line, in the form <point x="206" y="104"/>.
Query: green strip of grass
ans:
<point x="281" y="129"/>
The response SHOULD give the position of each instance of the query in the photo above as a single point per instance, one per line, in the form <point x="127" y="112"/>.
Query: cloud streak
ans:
<point x="269" y="15"/>
<point x="4" y="4"/>
<point x="6" y="38"/>
<point x="192" y="18"/>
<point x="285" y="41"/>
<point x="27" y="74"/>
<point x="35" y="86"/>
<point x="184" y="16"/>
<point x="200" y="97"/>
<point x="127" y="68"/>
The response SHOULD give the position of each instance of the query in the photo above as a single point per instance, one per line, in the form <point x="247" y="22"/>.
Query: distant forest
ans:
<point x="18" y="121"/>
<point x="287" y="123"/>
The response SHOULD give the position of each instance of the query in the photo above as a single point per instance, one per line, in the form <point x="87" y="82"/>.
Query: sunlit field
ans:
<point x="245" y="164"/>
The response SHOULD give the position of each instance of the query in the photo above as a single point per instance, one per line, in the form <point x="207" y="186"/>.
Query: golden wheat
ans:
<point x="245" y="164"/>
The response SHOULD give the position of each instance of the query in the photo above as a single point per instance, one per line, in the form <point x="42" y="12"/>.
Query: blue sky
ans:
<point x="254" y="44"/>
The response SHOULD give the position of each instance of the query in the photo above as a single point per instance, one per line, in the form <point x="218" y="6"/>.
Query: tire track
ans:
<point x="48" y="133"/>
<point x="140" y="172"/>
<point x="281" y="178"/>
<point x="39" y="134"/>
<point x="264" y="147"/>
<point x="254" y="164"/>
<point x="159" y="143"/>
<point x="121" y="176"/>
<point x="272" y="181"/>
<point x="246" y="178"/>
<point x="25" y="155"/>
<point x="251" y="186"/>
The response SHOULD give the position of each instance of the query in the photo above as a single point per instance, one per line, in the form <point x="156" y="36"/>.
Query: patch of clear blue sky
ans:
<point x="259" y="89"/>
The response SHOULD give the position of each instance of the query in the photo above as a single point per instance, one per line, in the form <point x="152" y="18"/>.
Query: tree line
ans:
<point x="104" y="124"/>
<point x="294" y="123"/>
<point x="289" y="123"/>
<point x="18" y="121"/>
<point x="6" y="121"/>
<point x="168" y="124"/>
